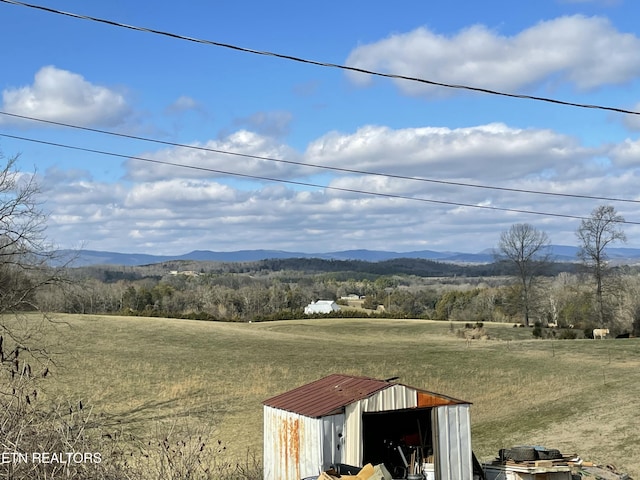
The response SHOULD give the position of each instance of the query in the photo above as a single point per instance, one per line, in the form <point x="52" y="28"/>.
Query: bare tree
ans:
<point x="527" y="249"/>
<point x="24" y="255"/>
<point x="596" y="233"/>
<point x="25" y="268"/>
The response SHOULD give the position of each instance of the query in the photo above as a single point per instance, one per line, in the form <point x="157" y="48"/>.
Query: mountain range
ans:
<point x="560" y="253"/>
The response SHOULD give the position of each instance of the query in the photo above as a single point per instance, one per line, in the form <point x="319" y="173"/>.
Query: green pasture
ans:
<point x="143" y="375"/>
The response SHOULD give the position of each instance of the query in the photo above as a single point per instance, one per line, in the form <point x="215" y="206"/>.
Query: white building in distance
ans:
<point x="321" y="306"/>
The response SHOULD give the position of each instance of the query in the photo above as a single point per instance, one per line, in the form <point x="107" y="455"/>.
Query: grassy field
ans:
<point x="141" y="375"/>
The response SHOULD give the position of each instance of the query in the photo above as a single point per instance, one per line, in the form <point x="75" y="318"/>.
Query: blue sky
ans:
<point x="90" y="74"/>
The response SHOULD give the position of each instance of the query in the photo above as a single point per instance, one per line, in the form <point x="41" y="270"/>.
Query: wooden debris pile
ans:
<point x="525" y="462"/>
<point x="368" y="472"/>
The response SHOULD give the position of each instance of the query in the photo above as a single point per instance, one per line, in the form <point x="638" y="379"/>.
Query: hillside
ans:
<point x="576" y="395"/>
<point x="339" y="269"/>
<point x="559" y="253"/>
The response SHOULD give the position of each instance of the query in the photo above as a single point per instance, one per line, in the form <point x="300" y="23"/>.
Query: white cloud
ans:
<point x="464" y="153"/>
<point x="80" y="194"/>
<point x="626" y="154"/>
<point x="177" y="210"/>
<point x="474" y="152"/>
<point x="182" y="104"/>
<point x="62" y="96"/>
<point x="176" y="193"/>
<point x="206" y="161"/>
<point x="586" y="51"/>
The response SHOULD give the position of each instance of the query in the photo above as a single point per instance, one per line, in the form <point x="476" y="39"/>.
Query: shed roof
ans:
<point x="329" y="395"/>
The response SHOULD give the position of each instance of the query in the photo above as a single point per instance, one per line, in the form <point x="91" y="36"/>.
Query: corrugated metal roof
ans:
<point x="326" y="396"/>
<point x="331" y="394"/>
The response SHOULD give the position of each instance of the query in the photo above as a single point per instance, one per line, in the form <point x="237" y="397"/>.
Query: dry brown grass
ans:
<point x="141" y="375"/>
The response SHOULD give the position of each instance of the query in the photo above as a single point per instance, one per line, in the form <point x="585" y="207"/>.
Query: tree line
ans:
<point x="523" y="285"/>
<point x="565" y="299"/>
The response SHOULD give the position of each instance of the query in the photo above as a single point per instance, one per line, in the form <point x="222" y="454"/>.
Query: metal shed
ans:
<point x="345" y="419"/>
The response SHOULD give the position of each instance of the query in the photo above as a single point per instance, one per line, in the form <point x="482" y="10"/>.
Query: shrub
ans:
<point x="537" y="331"/>
<point x="568" y="334"/>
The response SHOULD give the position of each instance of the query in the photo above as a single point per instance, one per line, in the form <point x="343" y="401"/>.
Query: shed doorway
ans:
<point x="387" y="433"/>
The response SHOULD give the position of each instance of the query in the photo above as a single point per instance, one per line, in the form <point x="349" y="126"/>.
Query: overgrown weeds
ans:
<point x="44" y="438"/>
<point x="182" y="455"/>
<point x="69" y="443"/>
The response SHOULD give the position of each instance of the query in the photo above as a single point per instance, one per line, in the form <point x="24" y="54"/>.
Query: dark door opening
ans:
<point x="385" y="434"/>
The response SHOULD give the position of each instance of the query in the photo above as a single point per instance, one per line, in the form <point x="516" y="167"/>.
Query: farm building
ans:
<point x="321" y="306"/>
<point x="350" y="420"/>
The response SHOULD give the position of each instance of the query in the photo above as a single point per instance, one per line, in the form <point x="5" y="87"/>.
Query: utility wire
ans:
<point x="324" y="167"/>
<point x="322" y="64"/>
<point x="305" y="184"/>
<point x="332" y="65"/>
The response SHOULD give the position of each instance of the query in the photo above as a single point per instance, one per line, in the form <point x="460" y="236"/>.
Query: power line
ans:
<point x="322" y="64"/>
<point x="332" y="65"/>
<point x="305" y="184"/>
<point x="325" y="167"/>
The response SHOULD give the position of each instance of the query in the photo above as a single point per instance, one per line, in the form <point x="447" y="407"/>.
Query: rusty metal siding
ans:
<point x="296" y="446"/>
<point x="453" y="455"/>
<point x="430" y="399"/>
<point x="395" y="397"/>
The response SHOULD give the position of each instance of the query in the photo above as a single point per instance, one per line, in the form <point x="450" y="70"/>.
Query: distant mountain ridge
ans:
<point x="561" y="253"/>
